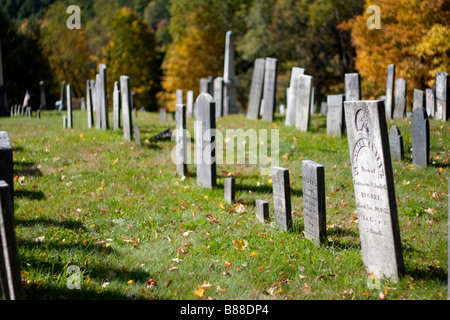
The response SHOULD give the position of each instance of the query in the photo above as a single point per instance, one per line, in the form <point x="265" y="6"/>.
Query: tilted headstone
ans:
<point x="162" y="115"/>
<point x="314" y="210"/>
<point x="6" y="162"/>
<point x="270" y="89"/>
<point x="116" y="106"/>
<point x="137" y="135"/>
<point x="98" y="101"/>
<point x="418" y="99"/>
<point x="352" y="87"/>
<point x="292" y="96"/>
<point x="126" y="111"/>
<point x="43" y="101"/>
<point x="4" y="112"/>
<point x="181" y="142"/>
<point x="256" y="89"/>
<point x="89" y="104"/>
<point x="335" y="115"/>
<point x="442" y="99"/>
<point x="390" y="82"/>
<point x="229" y="190"/>
<point x="430" y="102"/>
<point x="69" y="107"/>
<point x="10" y="278"/>
<point x="262" y="210"/>
<point x="396" y="144"/>
<point x="281" y="198"/>
<point x="104" y="98"/>
<point x="219" y="95"/>
<point x="302" y="115"/>
<point x="374" y="188"/>
<point x="400" y="98"/>
<point x="420" y="138"/>
<point x="205" y="126"/>
<point x="190" y="104"/>
<point x="229" y="81"/>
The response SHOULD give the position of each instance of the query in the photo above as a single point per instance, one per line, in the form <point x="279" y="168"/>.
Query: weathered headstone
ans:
<point x="219" y="96"/>
<point x="314" y="210"/>
<point x="229" y="81"/>
<point x="418" y="99"/>
<point x="43" y="102"/>
<point x="352" y="87"/>
<point x="420" y="138"/>
<point x="116" y="106"/>
<point x="4" y="112"/>
<point x="262" y="210"/>
<point x="181" y="139"/>
<point x="430" y="102"/>
<point x="303" y="104"/>
<point x="205" y="126"/>
<point x="6" y="162"/>
<point x="335" y="115"/>
<point x="10" y="278"/>
<point x="400" y="98"/>
<point x="189" y="104"/>
<point x="396" y="144"/>
<point x="256" y="89"/>
<point x="137" y="135"/>
<point x="374" y="188"/>
<point x="282" y="198"/>
<point x="229" y="190"/>
<point x="442" y="99"/>
<point x="390" y="82"/>
<point x="103" y="97"/>
<point x="98" y="101"/>
<point x="270" y="89"/>
<point x="126" y="111"/>
<point x="89" y="104"/>
<point x="69" y="107"/>
<point x="162" y="115"/>
<point x="292" y="96"/>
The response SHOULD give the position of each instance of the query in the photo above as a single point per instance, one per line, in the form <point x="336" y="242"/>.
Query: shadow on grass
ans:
<point x="30" y="194"/>
<point x="26" y="169"/>
<point x="67" y="224"/>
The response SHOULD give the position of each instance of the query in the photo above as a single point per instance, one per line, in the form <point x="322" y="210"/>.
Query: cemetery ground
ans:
<point x="90" y="199"/>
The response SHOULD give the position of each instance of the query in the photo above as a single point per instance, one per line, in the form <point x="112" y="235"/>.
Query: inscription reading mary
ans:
<point x="374" y="188"/>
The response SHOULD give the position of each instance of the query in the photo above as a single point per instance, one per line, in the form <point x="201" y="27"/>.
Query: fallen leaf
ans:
<point x="177" y="260"/>
<point x="130" y="282"/>
<point x="302" y="276"/>
<point x="168" y="282"/>
<point x="151" y="283"/>
<point x="367" y="294"/>
<point x="307" y="287"/>
<point x="187" y="233"/>
<point x="199" y="292"/>
<point x="240" y="244"/>
<point x="221" y="206"/>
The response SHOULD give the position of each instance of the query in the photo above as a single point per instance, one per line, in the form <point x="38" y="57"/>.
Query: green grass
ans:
<point x="88" y="198"/>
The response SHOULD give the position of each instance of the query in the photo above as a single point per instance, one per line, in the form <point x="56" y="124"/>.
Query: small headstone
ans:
<point x="373" y="183"/>
<point x="292" y="96"/>
<point x="116" y="106"/>
<point x="89" y="104"/>
<point x="65" y="122"/>
<point x="390" y="82"/>
<point x="270" y="89"/>
<point x="218" y="96"/>
<point x="400" y="98"/>
<point x="190" y="104"/>
<point x="137" y="135"/>
<point x="396" y="144"/>
<point x="352" y="87"/>
<point x="181" y="142"/>
<point x="162" y="115"/>
<point x="38" y="114"/>
<point x="229" y="189"/>
<point x="323" y="107"/>
<point x="420" y="138"/>
<point x="335" y="115"/>
<point x="262" y="210"/>
<point x="282" y="198"/>
<point x="256" y="89"/>
<point x="314" y="211"/>
<point x="69" y="108"/>
<point x="442" y="99"/>
<point x="6" y="162"/>
<point x="302" y="115"/>
<point x="430" y="102"/>
<point x="126" y="111"/>
<point x="418" y="99"/>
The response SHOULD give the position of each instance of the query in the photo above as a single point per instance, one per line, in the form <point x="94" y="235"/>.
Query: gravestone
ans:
<point x="262" y="210"/>
<point x="179" y="96"/>
<point x="229" y="190"/>
<point x="83" y="104"/>
<point x="43" y="101"/>
<point x="281" y="198"/>
<point x="6" y="162"/>
<point x="162" y="115"/>
<point x="335" y="115"/>
<point x="133" y="105"/>
<point x="270" y="89"/>
<point x="390" y="82"/>
<point x="181" y="139"/>
<point x="219" y="95"/>
<point x="89" y="104"/>
<point x="313" y="105"/>
<point x="4" y="112"/>
<point x="442" y="99"/>
<point x="418" y="99"/>
<point x="292" y="96"/>
<point x="420" y="138"/>
<point x="430" y="102"/>
<point x="10" y="278"/>
<point x="103" y="97"/>
<point x="282" y="109"/>
<point x="29" y="111"/>
<point x="69" y="107"/>
<point x="116" y="106"/>
<point x="98" y="101"/>
<point x="229" y="81"/>
<point x="126" y="111"/>
<point x="323" y="107"/>
<point x="205" y="126"/>
<point x="400" y="98"/>
<point x="38" y="114"/>
<point x="65" y="122"/>
<point x="396" y="144"/>
<point x="374" y="188"/>
<point x="62" y="106"/>
<point x="352" y="87"/>
<point x="189" y="104"/>
<point x="206" y="85"/>
<point x="256" y="89"/>
<point x="314" y="211"/>
<point x="303" y="104"/>
<point x="137" y="135"/>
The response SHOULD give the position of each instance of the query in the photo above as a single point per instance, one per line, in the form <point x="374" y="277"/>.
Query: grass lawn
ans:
<point x="135" y="230"/>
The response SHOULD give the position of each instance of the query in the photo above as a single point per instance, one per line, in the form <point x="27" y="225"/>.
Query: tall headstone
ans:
<point x="10" y="278"/>
<point x="162" y="115"/>
<point x="229" y="81"/>
<point x="229" y="189"/>
<point x="396" y="144"/>
<point x="374" y="188"/>
<point x="418" y="99"/>
<point x="104" y="104"/>
<point x="270" y="89"/>
<point x="390" y="82"/>
<point x="89" y="104"/>
<point x="302" y="115"/>
<point x="314" y="211"/>
<point x="181" y="139"/>
<point x="292" y="96"/>
<point x="189" y="104"/>
<point x="442" y="99"/>
<point x="400" y="98"/>
<point x="6" y="162"/>
<point x="4" y="112"/>
<point x="430" y="102"/>
<point x="137" y="134"/>
<point x="352" y="87"/>
<point x="281" y="198"/>
<point x="256" y="89"/>
<point x="205" y="126"/>
<point x="126" y="111"/>
<point x="262" y="210"/>
<point x="219" y="95"/>
<point x="335" y="115"/>
<point x="69" y="107"/>
<point x="420" y="138"/>
<point x="62" y="106"/>
<point x="43" y="101"/>
<point x="116" y="106"/>
<point x="98" y="101"/>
